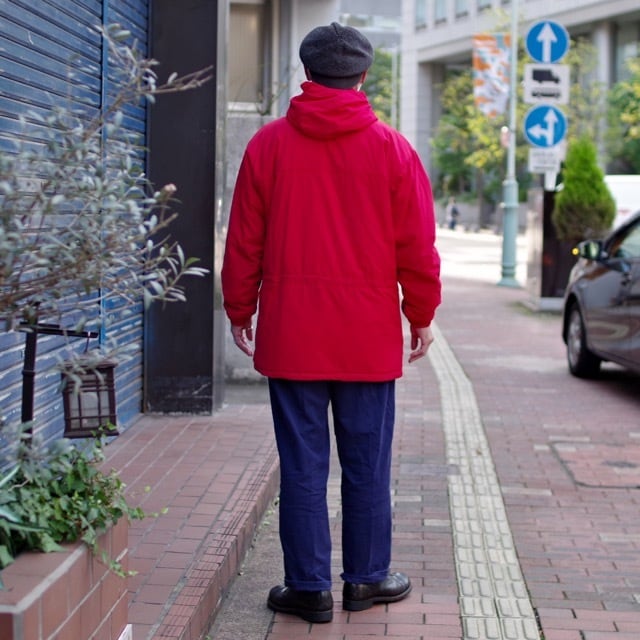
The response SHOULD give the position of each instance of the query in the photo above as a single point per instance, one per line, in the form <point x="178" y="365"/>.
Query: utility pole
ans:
<point x="510" y="184"/>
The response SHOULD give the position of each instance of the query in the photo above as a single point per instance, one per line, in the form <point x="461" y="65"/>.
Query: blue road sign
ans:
<point x="545" y="126"/>
<point x="547" y="41"/>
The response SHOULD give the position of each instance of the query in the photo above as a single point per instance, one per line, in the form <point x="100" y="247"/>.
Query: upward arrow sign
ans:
<point x="547" y="41"/>
<point x="547" y="38"/>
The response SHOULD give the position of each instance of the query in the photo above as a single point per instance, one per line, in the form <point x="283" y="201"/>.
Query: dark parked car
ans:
<point x="602" y="302"/>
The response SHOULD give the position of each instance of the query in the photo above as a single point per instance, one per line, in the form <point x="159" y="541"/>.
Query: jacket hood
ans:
<point x="324" y="113"/>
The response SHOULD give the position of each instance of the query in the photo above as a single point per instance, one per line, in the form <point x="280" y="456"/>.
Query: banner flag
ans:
<point x="491" y="56"/>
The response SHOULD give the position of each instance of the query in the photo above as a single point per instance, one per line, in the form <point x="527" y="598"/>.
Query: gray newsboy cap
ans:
<point x="336" y="51"/>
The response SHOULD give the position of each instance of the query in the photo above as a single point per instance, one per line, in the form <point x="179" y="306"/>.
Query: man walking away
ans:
<point x="331" y="211"/>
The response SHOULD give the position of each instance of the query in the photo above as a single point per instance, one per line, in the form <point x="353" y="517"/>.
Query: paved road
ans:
<point x="478" y="256"/>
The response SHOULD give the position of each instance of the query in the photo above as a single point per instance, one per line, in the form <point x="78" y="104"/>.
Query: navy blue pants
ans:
<point x="363" y="416"/>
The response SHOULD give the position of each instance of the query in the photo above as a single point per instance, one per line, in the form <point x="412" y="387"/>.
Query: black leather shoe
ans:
<point x="358" y="597"/>
<point x="312" y="606"/>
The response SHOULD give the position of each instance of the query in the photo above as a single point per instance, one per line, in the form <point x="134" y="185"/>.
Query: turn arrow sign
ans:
<point x="545" y="126"/>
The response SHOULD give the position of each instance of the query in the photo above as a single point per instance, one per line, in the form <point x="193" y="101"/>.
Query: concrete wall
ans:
<point x="240" y="128"/>
<point x="293" y="20"/>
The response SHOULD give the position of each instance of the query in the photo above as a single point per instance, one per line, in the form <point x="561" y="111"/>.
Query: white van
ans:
<point x="625" y="190"/>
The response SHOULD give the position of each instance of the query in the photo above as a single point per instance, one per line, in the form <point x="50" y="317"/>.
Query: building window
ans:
<point x="248" y="55"/>
<point x="462" y="8"/>
<point x="440" y="14"/>
<point x="484" y="4"/>
<point x="421" y="14"/>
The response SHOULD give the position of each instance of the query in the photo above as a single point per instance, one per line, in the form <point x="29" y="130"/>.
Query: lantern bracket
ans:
<point x="29" y="369"/>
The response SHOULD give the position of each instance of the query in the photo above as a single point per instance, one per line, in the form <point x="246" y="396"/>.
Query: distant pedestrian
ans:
<point x="452" y="213"/>
<point x="331" y="210"/>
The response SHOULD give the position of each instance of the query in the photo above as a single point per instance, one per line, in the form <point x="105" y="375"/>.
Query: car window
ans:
<point x="628" y="246"/>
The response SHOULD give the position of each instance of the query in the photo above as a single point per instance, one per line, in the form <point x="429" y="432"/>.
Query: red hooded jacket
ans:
<point x="331" y="210"/>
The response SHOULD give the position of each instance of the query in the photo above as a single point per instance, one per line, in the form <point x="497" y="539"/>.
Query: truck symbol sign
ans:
<point x="546" y="83"/>
<point x="544" y="75"/>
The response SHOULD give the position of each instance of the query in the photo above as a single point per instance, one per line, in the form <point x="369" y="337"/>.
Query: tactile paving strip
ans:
<point x="494" y="602"/>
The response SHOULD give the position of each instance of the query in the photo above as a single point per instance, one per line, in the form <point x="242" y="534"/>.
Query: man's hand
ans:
<point x="421" y="339"/>
<point x="242" y="336"/>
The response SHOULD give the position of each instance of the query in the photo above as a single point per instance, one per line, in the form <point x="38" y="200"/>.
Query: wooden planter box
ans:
<point x="67" y="594"/>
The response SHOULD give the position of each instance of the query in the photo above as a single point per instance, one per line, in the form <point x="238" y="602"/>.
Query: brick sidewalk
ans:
<point x="566" y="455"/>
<point x="215" y="475"/>
<point x="422" y="544"/>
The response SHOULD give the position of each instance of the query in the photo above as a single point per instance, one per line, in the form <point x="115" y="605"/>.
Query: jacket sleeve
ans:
<point x="242" y="265"/>
<point x="417" y="259"/>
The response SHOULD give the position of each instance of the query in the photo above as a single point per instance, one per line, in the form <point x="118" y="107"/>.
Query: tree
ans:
<point x="467" y="148"/>
<point x="587" y="100"/>
<point x="623" y="134"/>
<point x="379" y="85"/>
<point x="631" y="111"/>
<point x="453" y="137"/>
<point x="466" y="143"/>
<point x="585" y="206"/>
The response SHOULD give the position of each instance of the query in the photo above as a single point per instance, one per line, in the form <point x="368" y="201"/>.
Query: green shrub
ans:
<point x="59" y="494"/>
<point x="585" y="206"/>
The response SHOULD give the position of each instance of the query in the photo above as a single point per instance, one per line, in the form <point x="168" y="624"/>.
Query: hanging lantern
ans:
<point x="90" y="406"/>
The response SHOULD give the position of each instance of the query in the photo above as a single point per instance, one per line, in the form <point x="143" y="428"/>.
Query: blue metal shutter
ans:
<point x="41" y="43"/>
<point x="128" y="321"/>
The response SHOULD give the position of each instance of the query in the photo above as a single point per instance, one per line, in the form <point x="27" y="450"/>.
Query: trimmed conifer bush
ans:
<point x="584" y="207"/>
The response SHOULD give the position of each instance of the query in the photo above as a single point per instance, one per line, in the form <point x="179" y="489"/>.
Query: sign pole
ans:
<point x="510" y="184"/>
